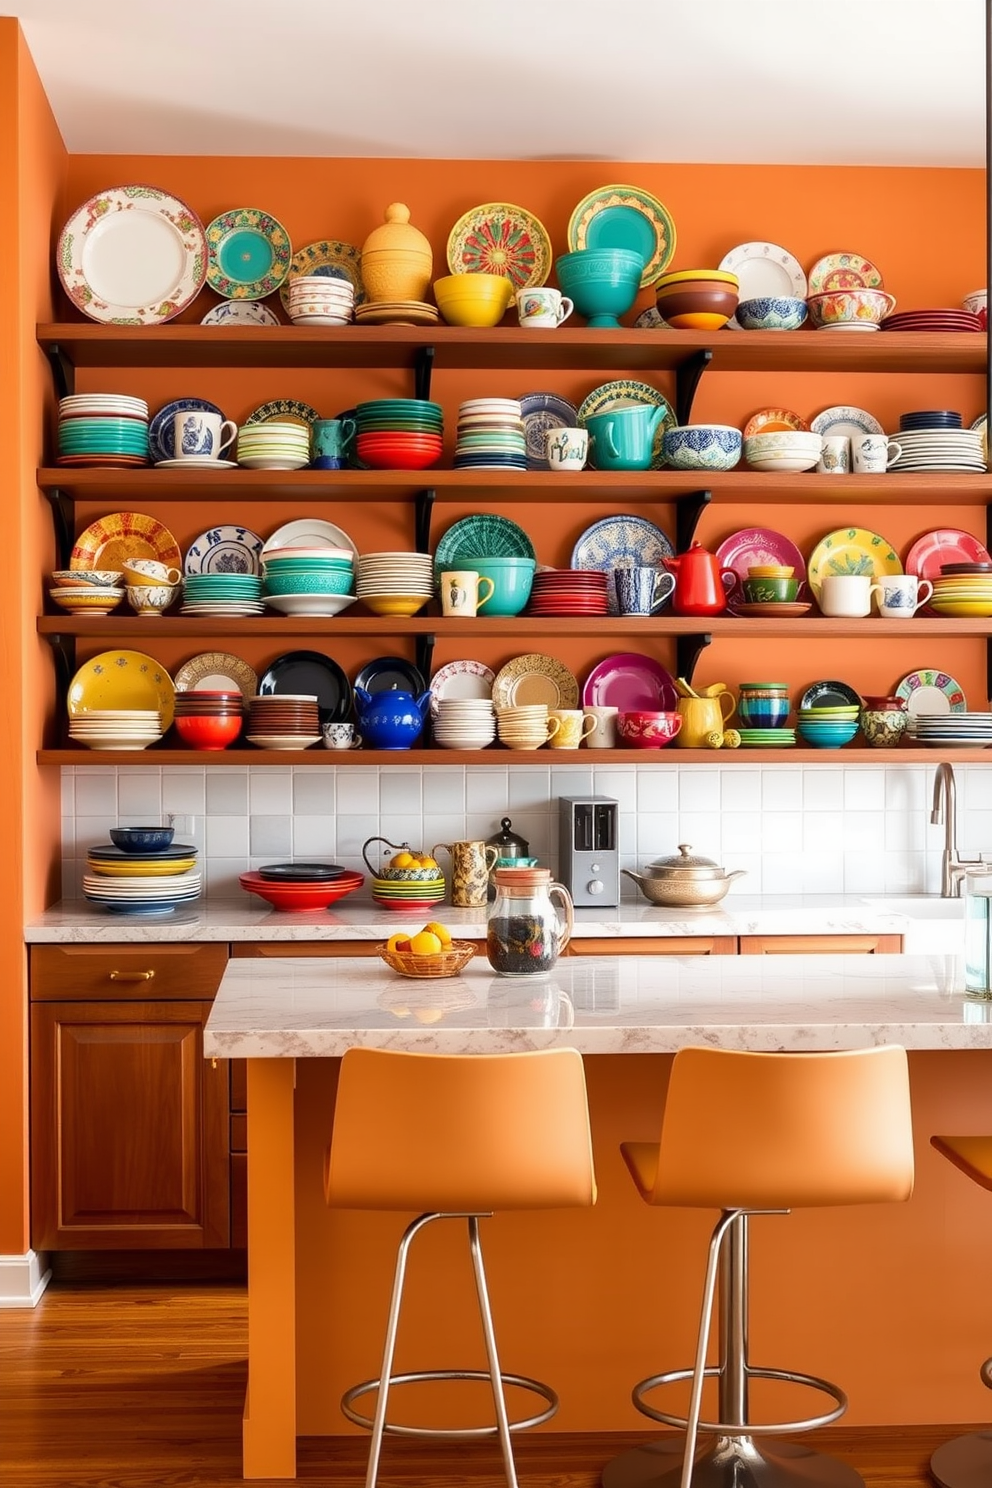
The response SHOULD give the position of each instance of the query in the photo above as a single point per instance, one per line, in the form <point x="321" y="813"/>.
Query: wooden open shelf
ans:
<point x="497" y="755"/>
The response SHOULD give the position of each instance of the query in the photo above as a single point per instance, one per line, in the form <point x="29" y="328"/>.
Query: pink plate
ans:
<point x="944" y="545"/>
<point x="632" y="683"/>
<point x="753" y="546"/>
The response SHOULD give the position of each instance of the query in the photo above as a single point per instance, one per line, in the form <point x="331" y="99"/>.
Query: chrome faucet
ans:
<point x="944" y="810"/>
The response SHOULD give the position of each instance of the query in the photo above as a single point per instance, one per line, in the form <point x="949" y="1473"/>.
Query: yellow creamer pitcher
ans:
<point x="704" y="715"/>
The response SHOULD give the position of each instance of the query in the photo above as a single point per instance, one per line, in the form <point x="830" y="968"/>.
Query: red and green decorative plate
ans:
<point x="499" y="238"/>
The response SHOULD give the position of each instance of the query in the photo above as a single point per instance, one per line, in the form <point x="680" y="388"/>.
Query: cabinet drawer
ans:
<point x="651" y="945"/>
<point x="826" y="945"/>
<point x="263" y="948"/>
<point x="176" y="972"/>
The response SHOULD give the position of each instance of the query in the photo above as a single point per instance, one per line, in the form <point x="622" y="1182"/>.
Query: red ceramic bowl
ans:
<point x="645" y="730"/>
<point x="397" y="454"/>
<point x="209" y="732"/>
<point x="291" y="897"/>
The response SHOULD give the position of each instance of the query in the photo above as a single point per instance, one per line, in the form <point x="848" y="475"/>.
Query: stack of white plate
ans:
<point x="318" y="300"/>
<point x="523" y="727"/>
<point x="116" y="728"/>
<point x="491" y="435"/>
<point x="465" y="723"/>
<point x="397" y="584"/>
<point x="939" y="449"/>
<point x="153" y="894"/>
<point x="275" y="445"/>
<point x="949" y="730"/>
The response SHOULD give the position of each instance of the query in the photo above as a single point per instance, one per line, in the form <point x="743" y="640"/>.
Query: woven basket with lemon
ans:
<point x="429" y="953"/>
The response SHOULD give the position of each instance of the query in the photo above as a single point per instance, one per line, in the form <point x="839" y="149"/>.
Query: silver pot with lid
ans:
<point x="684" y="881"/>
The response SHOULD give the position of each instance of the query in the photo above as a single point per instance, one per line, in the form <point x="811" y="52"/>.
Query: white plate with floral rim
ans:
<point x="132" y="255"/>
<point x="764" y="269"/>
<point x="240" y="312"/>
<point x="217" y="671"/>
<point x="224" y="550"/>
<point x="845" y="420"/>
<point x="461" y="679"/>
<point x="308" y="532"/>
<point x="327" y="259"/>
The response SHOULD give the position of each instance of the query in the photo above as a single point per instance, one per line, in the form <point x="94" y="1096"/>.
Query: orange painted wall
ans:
<point x="31" y="169"/>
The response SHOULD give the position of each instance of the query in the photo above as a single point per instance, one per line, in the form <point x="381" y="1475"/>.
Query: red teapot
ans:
<point x="701" y="585"/>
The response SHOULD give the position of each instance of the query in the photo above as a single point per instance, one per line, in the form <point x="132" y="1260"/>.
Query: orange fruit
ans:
<point x="425" y="944"/>
<point x="441" y="931"/>
<point x="403" y="860"/>
<point x="426" y="861"/>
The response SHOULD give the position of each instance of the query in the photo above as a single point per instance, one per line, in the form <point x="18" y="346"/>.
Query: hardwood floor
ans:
<point x="143" y="1386"/>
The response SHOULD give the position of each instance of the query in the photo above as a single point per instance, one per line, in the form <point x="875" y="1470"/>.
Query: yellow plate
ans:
<point x="721" y="276"/>
<point x="122" y="679"/>
<point x="851" y="550"/>
<point x="499" y="238"/>
<point x="140" y="868"/>
<point x="121" y="535"/>
<point x="962" y="609"/>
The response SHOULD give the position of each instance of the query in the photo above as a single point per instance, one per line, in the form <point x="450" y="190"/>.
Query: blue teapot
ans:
<point x="392" y="719"/>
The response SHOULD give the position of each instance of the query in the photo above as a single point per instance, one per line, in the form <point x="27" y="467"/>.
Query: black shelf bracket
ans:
<point x="63" y="371"/>
<point x="62" y="520"/>
<point x="64" y="657"/>
<point x="687" y="377"/>
<point x="423" y="507"/>
<point x="424" y="655"/>
<point x="423" y="366"/>
<point x="688" y="511"/>
<point x="688" y="649"/>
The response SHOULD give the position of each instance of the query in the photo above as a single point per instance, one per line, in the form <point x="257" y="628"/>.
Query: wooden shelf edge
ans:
<point x="906" y="754"/>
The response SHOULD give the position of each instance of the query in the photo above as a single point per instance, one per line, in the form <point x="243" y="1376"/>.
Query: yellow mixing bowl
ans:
<point x="473" y="299"/>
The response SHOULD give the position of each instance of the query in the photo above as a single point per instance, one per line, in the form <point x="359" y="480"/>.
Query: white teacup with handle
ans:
<point x="149" y="571"/>
<point x="901" y="595"/>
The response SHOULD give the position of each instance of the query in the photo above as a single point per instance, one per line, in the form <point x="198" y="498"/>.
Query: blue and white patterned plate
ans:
<point x="623" y="541"/>
<point x="161" y="441"/>
<point x="542" y="412"/>
<point x="240" y="312"/>
<point x="845" y="420"/>
<point x="224" y="550"/>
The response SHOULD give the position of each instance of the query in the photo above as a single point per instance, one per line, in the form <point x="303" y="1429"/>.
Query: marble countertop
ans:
<point x="291" y="1008"/>
<point x="75" y="921"/>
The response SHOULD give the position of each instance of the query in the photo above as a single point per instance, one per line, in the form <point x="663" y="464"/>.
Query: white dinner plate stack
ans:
<point x="947" y="450"/>
<point x="949" y="730"/>
<point x="395" y="583"/>
<point x="274" y="445"/>
<point x="465" y="723"/>
<point x="116" y="728"/>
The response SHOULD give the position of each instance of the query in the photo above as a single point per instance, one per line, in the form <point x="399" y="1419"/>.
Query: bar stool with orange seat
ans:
<point x="761" y="1134"/>
<point x="966" y="1461"/>
<point x="457" y="1137"/>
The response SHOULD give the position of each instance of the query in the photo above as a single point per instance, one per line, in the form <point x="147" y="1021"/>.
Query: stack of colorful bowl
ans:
<point x="308" y="581"/>
<point x="274" y="445"/>
<point x="283" y="720"/>
<point x="317" y="300"/>
<point x="464" y="723"/>
<point x="697" y="299"/>
<point x="408" y="888"/>
<point x="829" y="728"/>
<point x="396" y="584"/>
<point x="141" y="871"/>
<point x="399" y="433"/>
<point x="103" y="429"/>
<point x="209" y="720"/>
<point x="491" y="435"/>
<point x="310" y="886"/>
<point x="963" y="590"/>
<point x="116" y="728"/>
<point x="86" y="593"/>
<point x="230" y="596"/>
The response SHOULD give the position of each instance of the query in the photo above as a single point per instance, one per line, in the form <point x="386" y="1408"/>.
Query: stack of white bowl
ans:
<point x="275" y="445"/>
<point x="525" y="727"/>
<point x="396" y="584"/>
<point x="318" y="299"/>
<point x="464" y="723"/>
<point x="116" y="728"/>
<point x="787" y="451"/>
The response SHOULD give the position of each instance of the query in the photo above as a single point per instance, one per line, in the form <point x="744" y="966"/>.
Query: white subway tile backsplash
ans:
<point x="699" y="789"/>
<point x="184" y="791"/>
<point x="486" y="791"/>
<point x="620" y="784"/>
<point x="529" y="789"/>
<point x="227" y="792"/>
<point x="96" y="795"/>
<point x="68" y="790"/>
<point x="741" y="832"/>
<point x="864" y="790"/>
<point x="656" y="833"/>
<point x="443" y="790"/>
<point x="270" y="792"/>
<point x="226" y="836"/>
<point x="270" y="836"/>
<point x="657" y="789"/>
<point x="782" y="788"/>
<point x="864" y="872"/>
<point x="740" y="790"/>
<point x="221" y="876"/>
<point x="570" y="779"/>
<point x="822" y="872"/>
<point x="977" y="788"/>
<point x="823" y="790"/>
<point x="701" y="829"/>
<point x="360" y="795"/>
<point x="314" y="791"/>
<point x="139" y="796"/>
<point x="400" y="792"/>
<point x="315" y="837"/>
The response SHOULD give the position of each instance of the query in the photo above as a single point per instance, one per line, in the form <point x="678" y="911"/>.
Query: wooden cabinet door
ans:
<point x="130" y="1126"/>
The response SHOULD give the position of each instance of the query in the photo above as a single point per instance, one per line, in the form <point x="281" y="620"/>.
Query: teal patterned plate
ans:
<point x="484" y="535"/>
<point x="248" y="254"/>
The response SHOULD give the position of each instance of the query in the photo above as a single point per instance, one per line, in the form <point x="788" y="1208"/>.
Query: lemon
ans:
<point x="441" y="931"/>
<point x="398" y="942"/>
<point x="426" y="861"/>
<point x="403" y="860"/>
<point x="425" y="944"/>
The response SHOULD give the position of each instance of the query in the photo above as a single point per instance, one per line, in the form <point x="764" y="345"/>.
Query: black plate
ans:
<point x="310" y="672"/>
<point x="106" y="852"/>
<point x="829" y="695"/>
<point x="387" y="672"/>
<point x="301" y="872"/>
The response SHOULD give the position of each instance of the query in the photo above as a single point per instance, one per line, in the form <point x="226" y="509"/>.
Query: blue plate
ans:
<point x="542" y="412"/>
<point x="161" y="443"/>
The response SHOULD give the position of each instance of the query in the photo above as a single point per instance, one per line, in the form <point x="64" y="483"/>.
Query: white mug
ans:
<point x="901" y="595"/>
<point x="603" y="734"/>
<point x="543" y="309"/>
<point x="872" y="453"/>
<point x="341" y="736"/>
<point x="566" y="449"/>
<point x="835" y="457"/>
<point x="847" y="595"/>
<point x="198" y="435"/>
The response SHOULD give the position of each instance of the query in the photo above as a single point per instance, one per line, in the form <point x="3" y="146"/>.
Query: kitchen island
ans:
<point x="883" y="1299"/>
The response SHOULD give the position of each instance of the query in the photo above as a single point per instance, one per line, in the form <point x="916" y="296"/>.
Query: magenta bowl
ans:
<point x="645" y="730"/>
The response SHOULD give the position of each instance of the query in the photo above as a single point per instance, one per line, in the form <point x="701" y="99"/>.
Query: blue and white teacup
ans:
<point x="902" y="595"/>
<point x="642" y="590"/>
<point x="199" y="435"/>
<point x="341" y="736"/>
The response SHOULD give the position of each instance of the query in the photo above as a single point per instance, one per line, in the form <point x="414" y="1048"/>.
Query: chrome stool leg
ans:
<point x="380" y="1426"/>
<point x="734" y="1460"/>
<point x="966" y="1461"/>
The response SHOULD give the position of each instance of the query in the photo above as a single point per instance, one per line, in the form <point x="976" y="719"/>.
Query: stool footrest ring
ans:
<point x="743" y="1428"/>
<point x="521" y="1380"/>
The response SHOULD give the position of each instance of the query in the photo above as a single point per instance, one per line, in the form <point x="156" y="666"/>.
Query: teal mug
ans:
<point x="329" y="441"/>
<point x="623" y="438"/>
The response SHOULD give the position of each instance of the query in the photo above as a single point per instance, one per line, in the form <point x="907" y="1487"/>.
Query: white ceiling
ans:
<point x="894" y="82"/>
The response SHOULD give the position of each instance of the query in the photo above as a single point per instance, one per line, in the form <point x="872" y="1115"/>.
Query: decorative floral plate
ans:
<point x="240" y="312"/>
<point x="764" y="269"/>
<point x="224" y="550"/>
<point x="625" y="217"/>
<point x="132" y="255"/>
<point x="533" y="679"/>
<point x="461" y="679"/>
<point x="623" y="541"/>
<point x="843" y="271"/>
<point x="851" y="550"/>
<point x="944" y="545"/>
<point x="775" y="421"/>
<point x="248" y="254"/>
<point x="542" y="412"/>
<point x="499" y="238"/>
<point x="122" y="681"/>
<point x="485" y="535"/>
<point x="120" y="535"/>
<point x="630" y="682"/>
<point x="217" y="671"/>
<point x="327" y="259"/>
<point x="931" y="692"/>
<point x="288" y="410"/>
<point x="161" y="435"/>
<point x="845" y="420"/>
<point x="626" y="391"/>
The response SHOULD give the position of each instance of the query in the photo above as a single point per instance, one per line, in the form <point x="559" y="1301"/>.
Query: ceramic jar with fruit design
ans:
<point x="471" y="864"/>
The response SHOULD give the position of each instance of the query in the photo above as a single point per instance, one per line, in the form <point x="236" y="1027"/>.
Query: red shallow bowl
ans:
<point x="208" y="731"/>
<point x="644" y="730"/>
<point x="289" y="897"/>
<point x="399" y="458"/>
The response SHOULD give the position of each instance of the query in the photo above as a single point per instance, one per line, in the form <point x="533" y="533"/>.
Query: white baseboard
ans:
<point x="23" y="1278"/>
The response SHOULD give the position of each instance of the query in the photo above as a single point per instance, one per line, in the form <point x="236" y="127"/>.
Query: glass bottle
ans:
<point x="525" y="933"/>
<point x="977" y="933"/>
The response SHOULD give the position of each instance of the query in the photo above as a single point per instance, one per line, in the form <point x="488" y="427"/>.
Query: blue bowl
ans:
<point x="767" y="712"/>
<point x="702" y="447"/>
<point x="772" y="313"/>
<point x="142" y="839"/>
<point x="601" y="282"/>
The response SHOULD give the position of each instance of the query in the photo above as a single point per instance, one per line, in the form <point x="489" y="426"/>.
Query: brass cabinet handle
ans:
<point x="131" y="976"/>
